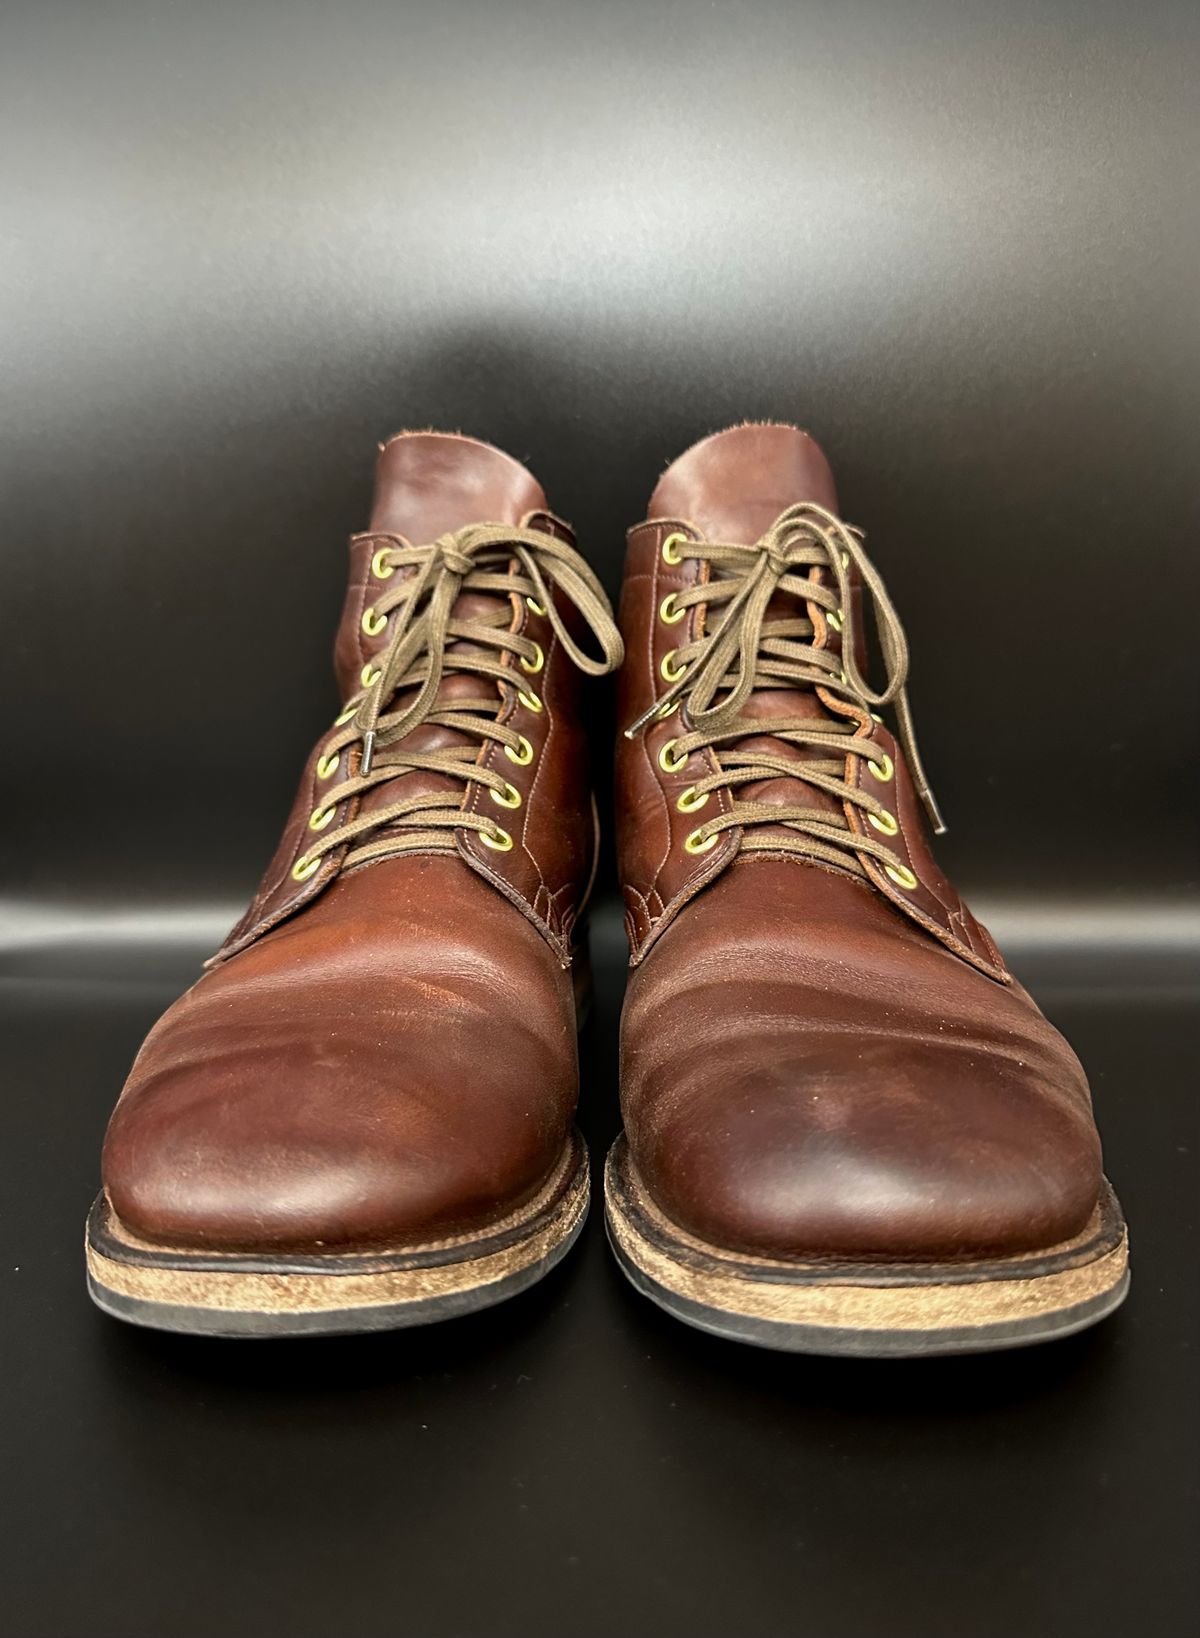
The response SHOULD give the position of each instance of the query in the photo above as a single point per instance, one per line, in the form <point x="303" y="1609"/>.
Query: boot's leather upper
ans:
<point x="384" y="1048"/>
<point x="823" y="1053"/>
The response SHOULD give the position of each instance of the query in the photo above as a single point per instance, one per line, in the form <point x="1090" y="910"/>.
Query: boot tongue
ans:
<point x="430" y="483"/>
<point x="733" y="486"/>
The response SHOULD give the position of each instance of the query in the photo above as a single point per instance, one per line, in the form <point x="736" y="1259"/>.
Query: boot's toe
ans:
<point x="894" y="1104"/>
<point x="303" y="1145"/>
<point x="342" y="1108"/>
<point x="870" y="1149"/>
<point x="285" y="1171"/>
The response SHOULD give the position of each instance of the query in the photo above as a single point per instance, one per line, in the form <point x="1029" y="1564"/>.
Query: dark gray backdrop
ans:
<point x="242" y="243"/>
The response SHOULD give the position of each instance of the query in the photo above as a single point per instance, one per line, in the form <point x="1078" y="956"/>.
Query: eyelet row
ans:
<point x="500" y="840"/>
<point x="321" y="816"/>
<point x="688" y="802"/>
<point x="671" y="614"/>
<point x="510" y="797"/>
<point x="886" y="822"/>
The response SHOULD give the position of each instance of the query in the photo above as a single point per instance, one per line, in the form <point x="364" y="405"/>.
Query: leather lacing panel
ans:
<point x="427" y="642"/>
<point x="741" y="651"/>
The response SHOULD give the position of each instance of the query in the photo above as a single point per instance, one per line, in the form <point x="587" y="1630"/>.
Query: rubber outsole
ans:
<point x="866" y="1310"/>
<point x="229" y="1294"/>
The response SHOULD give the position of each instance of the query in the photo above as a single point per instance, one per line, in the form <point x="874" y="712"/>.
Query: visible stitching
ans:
<point x="551" y="730"/>
<point x="642" y="744"/>
<point x="729" y="846"/>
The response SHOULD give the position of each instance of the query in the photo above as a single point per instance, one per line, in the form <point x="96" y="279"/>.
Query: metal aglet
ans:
<point x="929" y="801"/>
<point x="368" y="752"/>
<point x="649" y="715"/>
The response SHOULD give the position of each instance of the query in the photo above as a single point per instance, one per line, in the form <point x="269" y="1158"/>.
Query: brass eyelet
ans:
<point x="304" y="868"/>
<point x="509" y="797"/>
<point x="885" y="822"/>
<point x="668" y="669"/>
<point x="535" y="665"/>
<point x="380" y="567"/>
<point x="667" y="762"/>
<point x="500" y="843"/>
<point x="328" y="766"/>
<point x="370" y="675"/>
<point x="529" y="699"/>
<point x="523" y="755"/>
<point x="373" y="623"/>
<point x="692" y="845"/>
<point x="884" y="770"/>
<point x="903" y="876"/>
<point x="845" y="555"/>
<point x="665" y="711"/>
<point x="347" y="711"/>
<point x="688" y="802"/>
<point x="668" y="613"/>
<point x="669" y="555"/>
<point x="875" y="717"/>
<point x="833" y="619"/>
<point x="534" y="607"/>
<point x="320" y="817"/>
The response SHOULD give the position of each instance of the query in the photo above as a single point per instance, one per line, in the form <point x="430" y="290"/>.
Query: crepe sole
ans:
<point x="257" y="1294"/>
<point x="866" y="1309"/>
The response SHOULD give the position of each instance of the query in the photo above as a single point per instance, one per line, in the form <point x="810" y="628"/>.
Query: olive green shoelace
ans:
<point x="428" y="642"/>
<point x="745" y="651"/>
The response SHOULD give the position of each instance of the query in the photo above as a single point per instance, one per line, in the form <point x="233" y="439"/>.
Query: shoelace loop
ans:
<point x="506" y="561"/>
<point x="716" y="675"/>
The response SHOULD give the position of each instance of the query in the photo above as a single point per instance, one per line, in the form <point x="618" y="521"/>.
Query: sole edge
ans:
<point x="881" y="1316"/>
<point x="282" y="1296"/>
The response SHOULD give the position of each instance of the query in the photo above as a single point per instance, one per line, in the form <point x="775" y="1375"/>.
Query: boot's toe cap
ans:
<point x="808" y="1074"/>
<point x="879" y="1153"/>
<point x="315" y="1104"/>
<point x="252" y="1151"/>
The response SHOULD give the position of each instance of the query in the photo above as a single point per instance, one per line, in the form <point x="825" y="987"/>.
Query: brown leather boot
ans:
<point x="847" y="1129"/>
<point x="362" y="1115"/>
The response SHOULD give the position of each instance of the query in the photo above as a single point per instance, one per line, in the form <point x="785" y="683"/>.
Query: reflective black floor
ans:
<point x="577" y="1463"/>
